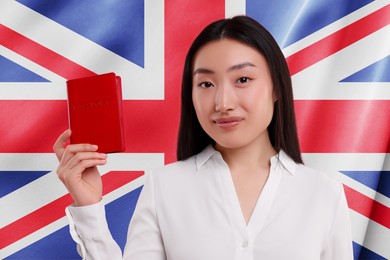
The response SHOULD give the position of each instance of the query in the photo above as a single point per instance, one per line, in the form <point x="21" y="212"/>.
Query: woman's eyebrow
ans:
<point x="241" y="66"/>
<point x="232" y="68"/>
<point x="202" y="71"/>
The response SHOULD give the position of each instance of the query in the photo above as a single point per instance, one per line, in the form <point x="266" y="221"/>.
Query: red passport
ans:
<point x="95" y="112"/>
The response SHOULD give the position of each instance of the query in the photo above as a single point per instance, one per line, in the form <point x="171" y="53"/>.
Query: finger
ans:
<point x="74" y="149"/>
<point x="78" y="163"/>
<point x="66" y="174"/>
<point x="71" y="177"/>
<point x="85" y="164"/>
<point x="84" y="160"/>
<point x="59" y="145"/>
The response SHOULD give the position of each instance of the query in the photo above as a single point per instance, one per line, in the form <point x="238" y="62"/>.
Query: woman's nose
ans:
<point x="225" y="99"/>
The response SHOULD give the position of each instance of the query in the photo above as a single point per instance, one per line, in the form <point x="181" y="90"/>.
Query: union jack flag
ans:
<point x="339" y="57"/>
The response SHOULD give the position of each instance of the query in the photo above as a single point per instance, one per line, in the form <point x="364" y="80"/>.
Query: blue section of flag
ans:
<point x="117" y="25"/>
<point x="290" y="21"/>
<point x="12" y="72"/>
<point x="119" y="213"/>
<point x="13" y="180"/>
<point x="377" y="72"/>
<point x="56" y="245"/>
<point x="362" y="253"/>
<point x="376" y="180"/>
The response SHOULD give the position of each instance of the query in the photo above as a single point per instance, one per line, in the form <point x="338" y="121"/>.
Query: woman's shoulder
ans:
<point x="319" y="180"/>
<point x="173" y="173"/>
<point x="188" y="166"/>
<point x="307" y="175"/>
<point x="177" y="179"/>
<point x="184" y="166"/>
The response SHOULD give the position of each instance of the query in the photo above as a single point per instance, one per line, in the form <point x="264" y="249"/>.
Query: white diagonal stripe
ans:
<point x="62" y="222"/>
<point x="321" y="81"/>
<point x="335" y="26"/>
<point x="370" y="234"/>
<point x="91" y="55"/>
<point x="48" y="188"/>
<point x="334" y="163"/>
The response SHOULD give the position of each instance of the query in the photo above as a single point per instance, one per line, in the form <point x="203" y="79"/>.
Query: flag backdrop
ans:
<point x="338" y="52"/>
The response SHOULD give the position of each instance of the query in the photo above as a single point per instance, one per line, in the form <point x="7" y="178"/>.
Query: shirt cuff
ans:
<point x="89" y="221"/>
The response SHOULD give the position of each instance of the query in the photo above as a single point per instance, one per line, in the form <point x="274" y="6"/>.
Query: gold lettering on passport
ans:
<point x="92" y="105"/>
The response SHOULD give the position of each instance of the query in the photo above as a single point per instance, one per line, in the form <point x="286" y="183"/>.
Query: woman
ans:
<point x="239" y="189"/>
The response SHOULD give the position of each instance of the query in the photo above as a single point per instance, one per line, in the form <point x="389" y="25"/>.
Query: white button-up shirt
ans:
<point x="189" y="210"/>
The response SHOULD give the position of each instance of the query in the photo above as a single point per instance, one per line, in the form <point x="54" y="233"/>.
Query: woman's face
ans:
<point x="232" y="93"/>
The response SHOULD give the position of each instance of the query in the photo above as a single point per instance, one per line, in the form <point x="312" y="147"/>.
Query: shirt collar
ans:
<point x="285" y="161"/>
<point x="281" y="158"/>
<point x="204" y="156"/>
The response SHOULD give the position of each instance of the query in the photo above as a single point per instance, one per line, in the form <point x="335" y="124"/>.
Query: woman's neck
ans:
<point x="252" y="156"/>
<point x="249" y="167"/>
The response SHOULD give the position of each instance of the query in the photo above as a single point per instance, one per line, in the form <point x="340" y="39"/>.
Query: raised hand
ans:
<point x="77" y="169"/>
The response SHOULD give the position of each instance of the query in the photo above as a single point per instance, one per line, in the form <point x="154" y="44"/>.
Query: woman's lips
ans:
<point x="227" y="122"/>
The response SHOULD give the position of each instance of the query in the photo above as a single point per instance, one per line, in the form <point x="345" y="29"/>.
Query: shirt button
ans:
<point x="244" y="244"/>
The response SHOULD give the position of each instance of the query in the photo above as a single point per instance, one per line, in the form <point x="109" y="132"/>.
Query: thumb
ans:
<point x="59" y="145"/>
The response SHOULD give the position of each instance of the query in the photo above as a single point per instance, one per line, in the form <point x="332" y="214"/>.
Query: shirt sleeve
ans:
<point x="144" y="240"/>
<point x="340" y="240"/>
<point x="89" y="229"/>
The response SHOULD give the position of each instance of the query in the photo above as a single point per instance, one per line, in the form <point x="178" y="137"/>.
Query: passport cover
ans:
<point x="95" y="112"/>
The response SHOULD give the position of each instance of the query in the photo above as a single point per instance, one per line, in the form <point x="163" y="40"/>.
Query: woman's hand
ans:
<point x="77" y="169"/>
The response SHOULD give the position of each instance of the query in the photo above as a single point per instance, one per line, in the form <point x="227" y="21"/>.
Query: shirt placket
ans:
<point x="245" y="235"/>
<point x="265" y="201"/>
<point x="243" y="245"/>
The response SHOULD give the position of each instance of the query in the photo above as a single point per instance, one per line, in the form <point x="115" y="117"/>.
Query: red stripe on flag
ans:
<point x="56" y="209"/>
<point x="338" y="40"/>
<point x="31" y="126"/>
<point x="367" y="207"/>
<point x="343" y="126"/>
<point x="324" y="126"/>
<point x="180" y="30"/>
<point x="41" y="55"/>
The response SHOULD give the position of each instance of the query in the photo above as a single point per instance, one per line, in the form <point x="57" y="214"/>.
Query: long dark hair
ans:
<point x="282" y="130"/>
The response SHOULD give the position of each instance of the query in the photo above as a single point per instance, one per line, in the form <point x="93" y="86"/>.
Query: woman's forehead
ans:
<point x="227" y="54"/>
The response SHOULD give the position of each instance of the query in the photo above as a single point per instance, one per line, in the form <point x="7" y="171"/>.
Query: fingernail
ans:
<point x="94" y="147"/>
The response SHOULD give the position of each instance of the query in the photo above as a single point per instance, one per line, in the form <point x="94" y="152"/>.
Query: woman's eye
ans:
<point x="243" y="80"/>
<point x="205" y="85"/>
